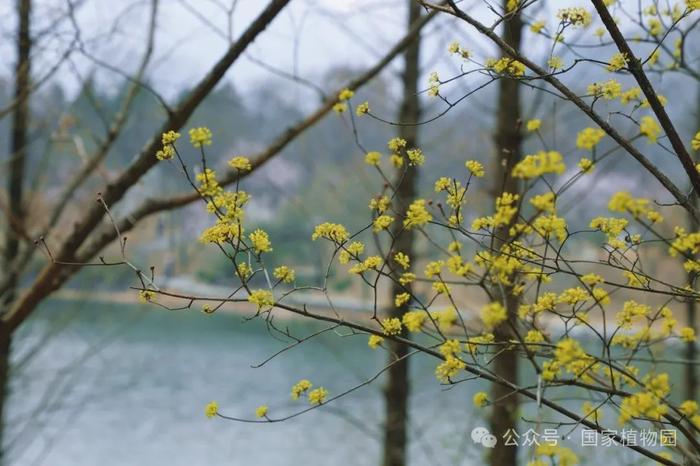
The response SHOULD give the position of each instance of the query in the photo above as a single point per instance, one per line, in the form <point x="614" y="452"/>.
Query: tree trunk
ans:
<point x="397" y="389"/>
<point x="508" y="141"/>
<point x="15" y="195"/>
<point x="18" y="144"/>
<point x="691" y="352"/>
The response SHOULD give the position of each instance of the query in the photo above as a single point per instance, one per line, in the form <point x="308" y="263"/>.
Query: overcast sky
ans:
<point x="309" y="38"/>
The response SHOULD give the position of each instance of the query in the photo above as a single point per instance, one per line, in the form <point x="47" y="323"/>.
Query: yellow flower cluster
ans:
<point x="211" y="409"/>
<point x="391" y="326"/>
<point x="539" y="164"/>
<point x="380" y="204"/>
<point x="449" y="368"/>
<point x="623" y="201"/>
<point x="417" y="214"/>
<point x="507" y="66"/>
<point x="373" y="158"/>
<point x="353" y="250"/>
<point x="371" y="263"/>
<point x="544" y="202"/>
<point x="208" y="186"/>
<point x="240" y="163"/>
<point x="533" y="125"/>
<point x="506" y="208"/>
<point x="576" y="16"/>
<point x="588" y="138"/>
<point x="617" y="62"/>
<point x="300" y="388"/>
<point x="569" y="355"/>
<point x="414" y="320"/>
<point x="261" y="411"/>
<point x="402" y="259"/>
<point x="260" y="241"/>
<point x="331" y="231"/>
<point x="503" y="266"/>
<point x="374" y="341"/>
<point x="284" y="274"/>
<point x="200" y="136"/>
<point x="493" y="314"/>
<point x="382" y="223"/>
<point x="168" y="140"/>
<point x="481" y="399"/>
<point x="646" y="404"/>
<point x="229" y="207"/>
<point x="649" y="128"/>
<point x="609" y="90"/>
<point x="433" y="84"/>
<point x="477" y="169"/>
<point x="537" y="27"/>
<point x="362" y="109"/>
<point x="147" y="296"/>
<point x="396" y="144"/>
<point x="548" y="225"/>
<point x="415" y="157"/>
<point x="261" y="298"/>
<point x="612" y="227"/>
<point x="695" y="143"/>
<point x="318" y="396"/>
<point x="455" y="48"/>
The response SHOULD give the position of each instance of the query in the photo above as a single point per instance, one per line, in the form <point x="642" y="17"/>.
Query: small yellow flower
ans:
<point x="169" y="137"/>
<point x="537" y="27"/>
<point x="588" y="138"/>
<point x="212" y="409"/>
<point x="300" y="388"/>
<point x="586" y="164"/>
<point x="284" y="274"/>
<point x="318" y="396"/>
<point x="492" y="315"/>
<point x="373" y="158"/>
<point x="340" y="107"/>
<point x="649" y="128"/>
<point x="374" y="341"/>
<point x="261" y="298"/>
<point x="147" y="296"/>
<point x="240" y="163"/>
<point x="345" y="94"/>
<point x="261" y="411"/>
<point x="402" y="259"/>
<point x="260" y="241"/>
<point x="687" y="334"/>
<point x="475" y="168"/>
<point x="617" y="62"/>
<point x="481" y="399"/>
<point x="362" y="109"/>
<point x="534" y="125"/>
<point x="695" y="143"/>
<point x="200" y="136"/>
<point x="391" y="326"/>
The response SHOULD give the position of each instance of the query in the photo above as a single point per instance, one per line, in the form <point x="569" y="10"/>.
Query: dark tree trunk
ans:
<point x="508" y="142"/>
<point x="397" y="389"/>
<point x="18" y="144"/>
<point x="15" y="194"/>
<point x="691" y="352"/>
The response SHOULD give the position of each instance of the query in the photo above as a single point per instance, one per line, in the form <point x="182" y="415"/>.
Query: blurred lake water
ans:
<point x="117" y="384"/>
